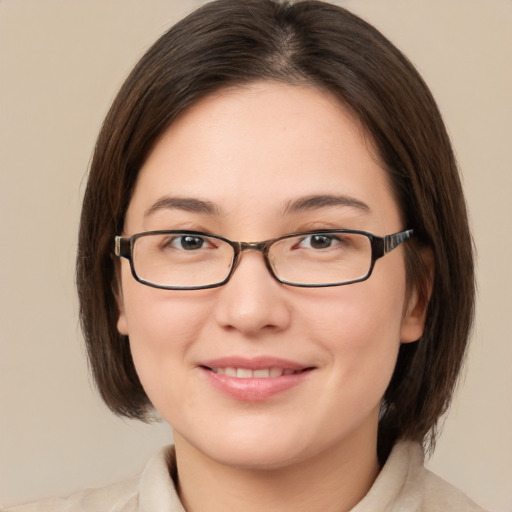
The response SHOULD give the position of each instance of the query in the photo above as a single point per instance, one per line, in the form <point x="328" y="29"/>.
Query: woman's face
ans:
<point x="252" y="155"/>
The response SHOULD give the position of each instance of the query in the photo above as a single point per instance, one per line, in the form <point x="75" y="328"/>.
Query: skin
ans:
<point x="250" y="151"/>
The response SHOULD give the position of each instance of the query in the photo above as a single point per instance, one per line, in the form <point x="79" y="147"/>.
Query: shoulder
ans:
<point x="152" y="490"/>
<point x="440" y="495"/>
<point x="118" y="497"/>
<point x="405" y="484"/>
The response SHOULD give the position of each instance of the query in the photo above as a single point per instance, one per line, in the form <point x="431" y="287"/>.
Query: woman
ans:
<point x="264" y="259"/>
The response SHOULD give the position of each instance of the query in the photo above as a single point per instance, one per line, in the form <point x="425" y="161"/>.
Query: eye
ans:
<point x="319" y="241"/>
<point x="187" y="242"/>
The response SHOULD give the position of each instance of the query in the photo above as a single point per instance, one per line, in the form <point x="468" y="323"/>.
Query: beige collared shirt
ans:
<point x="403" y="485"/>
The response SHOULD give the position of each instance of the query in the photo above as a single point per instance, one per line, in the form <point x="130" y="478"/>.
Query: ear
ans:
<point x="418" y="298"/>
<point x="117" y="289"/>
<point x="122" y="324"/>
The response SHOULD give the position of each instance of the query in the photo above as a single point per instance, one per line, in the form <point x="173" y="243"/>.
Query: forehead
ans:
<point x="258" y="147"/>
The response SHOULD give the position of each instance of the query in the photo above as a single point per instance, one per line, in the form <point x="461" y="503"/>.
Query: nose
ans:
<point x="253" y="302"/>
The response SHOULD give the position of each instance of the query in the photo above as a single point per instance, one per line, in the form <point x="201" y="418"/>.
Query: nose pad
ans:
<point x="252" y="301"/>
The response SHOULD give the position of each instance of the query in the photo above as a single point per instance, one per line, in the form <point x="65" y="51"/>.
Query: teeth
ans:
<point x="246" y="373"/>
<point x="261" y="374"/>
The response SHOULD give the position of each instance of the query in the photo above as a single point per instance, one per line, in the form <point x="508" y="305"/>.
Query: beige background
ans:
<point x="61" y="62"/>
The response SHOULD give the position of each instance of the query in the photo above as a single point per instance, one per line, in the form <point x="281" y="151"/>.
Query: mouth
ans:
<point x="260" y="373"/>
<point x="254" y="379"/>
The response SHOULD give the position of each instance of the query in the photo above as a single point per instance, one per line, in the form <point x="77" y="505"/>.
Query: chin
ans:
<point x="261" y="451"/>
<point x="258" y="458"/>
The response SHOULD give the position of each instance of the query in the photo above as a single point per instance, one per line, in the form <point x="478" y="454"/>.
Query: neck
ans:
<point x="334" y="481"/>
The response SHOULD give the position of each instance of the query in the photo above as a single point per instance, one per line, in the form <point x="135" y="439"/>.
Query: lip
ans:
<point x="254" y="388"/>
<point x="254" y="363"/>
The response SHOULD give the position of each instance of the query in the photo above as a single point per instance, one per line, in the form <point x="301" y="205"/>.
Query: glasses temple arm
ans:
<point x="122" y="247"/>
<point x="393" y="241"/>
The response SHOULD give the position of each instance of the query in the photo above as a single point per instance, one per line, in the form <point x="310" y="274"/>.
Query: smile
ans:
<point x="247" y="373"/>
<point x="254" y="380"/>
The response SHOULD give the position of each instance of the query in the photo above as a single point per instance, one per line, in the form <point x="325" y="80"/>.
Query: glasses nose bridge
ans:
<point x="253" y="246"/>
<point x="263" y="247"/>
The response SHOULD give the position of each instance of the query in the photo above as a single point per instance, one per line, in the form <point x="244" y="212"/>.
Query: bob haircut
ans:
<point x="228" y="43"/>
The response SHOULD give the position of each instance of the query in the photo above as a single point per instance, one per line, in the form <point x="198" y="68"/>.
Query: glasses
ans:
<point x="192" y="260"/>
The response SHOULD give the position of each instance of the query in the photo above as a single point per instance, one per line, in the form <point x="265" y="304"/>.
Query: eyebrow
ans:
<point x="303" y="204"/>
<point x="316" y="202"/>
<point x="187" y="204"/>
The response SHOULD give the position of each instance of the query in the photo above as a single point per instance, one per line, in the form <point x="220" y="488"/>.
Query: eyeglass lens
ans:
<point x="192" y="260"/>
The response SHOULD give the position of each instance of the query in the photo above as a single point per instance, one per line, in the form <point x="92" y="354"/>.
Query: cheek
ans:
<point x="359" y="315"/>
<point x="360" y="331"/>
<point x="156" y="318"/>
<point x="161" y="334"/>
<point x="359" y="327"/>
<point x="161" y="326"/>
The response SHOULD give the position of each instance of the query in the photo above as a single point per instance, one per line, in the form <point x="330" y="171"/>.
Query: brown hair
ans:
<point x="226" y="43"/>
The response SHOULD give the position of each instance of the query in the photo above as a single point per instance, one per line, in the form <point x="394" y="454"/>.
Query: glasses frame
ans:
<point x="380" y="246"/>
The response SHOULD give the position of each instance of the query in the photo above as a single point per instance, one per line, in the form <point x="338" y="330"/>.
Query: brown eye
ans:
<point x="321" y="241"/>
<point x="318" y="241"/>
<point x="190" y="243"/>
<point x="186" y="242"/>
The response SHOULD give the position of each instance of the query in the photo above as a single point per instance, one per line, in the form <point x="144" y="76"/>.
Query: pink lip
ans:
<point x="253" y="363"/>
<point x="254" y="389"/>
